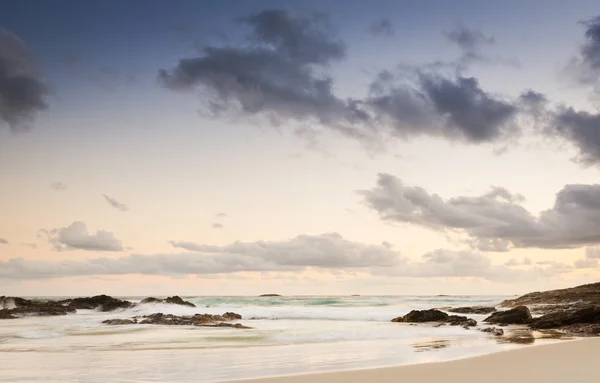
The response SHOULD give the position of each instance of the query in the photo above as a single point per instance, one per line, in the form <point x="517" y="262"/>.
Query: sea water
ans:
<point x="289" y="335"/>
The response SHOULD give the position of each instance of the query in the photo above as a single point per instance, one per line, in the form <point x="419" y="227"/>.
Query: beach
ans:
<point x="566" y="362"/>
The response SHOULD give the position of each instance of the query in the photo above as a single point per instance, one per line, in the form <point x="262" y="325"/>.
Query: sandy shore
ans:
<point x="575" y="361"/>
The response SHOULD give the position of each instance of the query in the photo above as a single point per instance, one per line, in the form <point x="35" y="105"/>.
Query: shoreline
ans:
<point x="562" y="362"/>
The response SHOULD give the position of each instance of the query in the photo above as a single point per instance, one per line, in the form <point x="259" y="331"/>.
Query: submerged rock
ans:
<point x="473" y="310"/>
<point x="269" y="295"/>
<point x="493" y="330"/>
<point x="204" y="320"/>
<point x="120" y="321"/>
<point x="518" y="315"/>
<point x="151" y="300"/>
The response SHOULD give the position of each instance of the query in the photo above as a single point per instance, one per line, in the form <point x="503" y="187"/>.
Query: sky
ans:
<point x="298" y="147"/>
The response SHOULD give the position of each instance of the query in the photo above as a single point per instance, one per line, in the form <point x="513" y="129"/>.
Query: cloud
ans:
<point x="382" y="27"/>
<point x="217" y="226"/>
<point x="30" y="245"/>
<point x="585" y="67"/>
<point x="422" y="102"/>
<point x="221" y="215"/>
<point x="328" y="252"/>
<point x="515" y="262"/>
<point x="592" y="252"/>
<point x="493" y="218"/>
<point x="22" y="91"/>
<point x="279" y="75"/>
<point x="116" y="204"/>
<point x="582" y="129"/>
<point x="58" y="186"/>
<point x="469" y="40"/>
<point x="76" y="237"/>
<point x="3" y="241"/>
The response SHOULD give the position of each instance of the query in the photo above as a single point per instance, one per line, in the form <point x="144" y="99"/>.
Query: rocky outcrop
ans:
<point x="418" y="316"/>
<point x="269" y="295"/>
<point x="589" y="294"/>
<point x="584" y="318"/>
<point x="434" y="315"/>
<point x="518" y="315"/>
<point x="204" y="320"/>
<point x="174" y="300"/>
<point x="472" y="310"/>
<point x="15" y="307"/>
<point x="102" y="302"/>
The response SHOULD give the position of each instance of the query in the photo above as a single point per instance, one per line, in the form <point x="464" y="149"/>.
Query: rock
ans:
<point x="583" y="329"/>
<point x="119" y="321"/>
<point x="518" y="315"/>
<point x="178" y="301"/>
<point x="473" y="310"/>
<point x="189" y="320"/>
<point x="457" y="320"/>
<point x="231" y="316"/>
<point x="6" y="314"/>
<point x="104" y="302"/>
<point x="418" y="316"/>
<point x="589" y="294"/>
<point x="151" y="300"/>
<point x="15" y="307"/>
<point x="493" y="330"/>
<point x="269" y="295"/>
<point x="233" y="325"/>
<point x="587" y="315"/>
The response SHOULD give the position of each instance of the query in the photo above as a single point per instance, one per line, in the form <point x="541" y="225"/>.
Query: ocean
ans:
<point x="289" y="335"/>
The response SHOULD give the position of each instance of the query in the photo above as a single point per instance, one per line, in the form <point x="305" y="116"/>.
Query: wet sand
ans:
<point x="575" y="361"/>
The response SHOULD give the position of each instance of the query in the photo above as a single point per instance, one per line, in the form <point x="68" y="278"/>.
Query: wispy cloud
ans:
<point x="116" y="204"/>
<point x="58" y="186"/>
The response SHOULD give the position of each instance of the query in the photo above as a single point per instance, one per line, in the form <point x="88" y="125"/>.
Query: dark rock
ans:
<point x="104" y="302"/>
<point x="178" y="301"/>
<point x="418" y="316"/>
<point x="587" y="315"/>
<point x="493" y="330"/>
<point x="151" y="300"/>
<point x="269" y="295"/>
<point x="518" y="315"/>
<point x="120" y="321"/>
<point x="223" y="324"/>
<point x="456" y="320"/>
<point x="473" y="310"/>
<point x="583" y="329"/>
<point x="231" y="316"/>
<point x="14" y="307"/>
<point x="589" y="294"/>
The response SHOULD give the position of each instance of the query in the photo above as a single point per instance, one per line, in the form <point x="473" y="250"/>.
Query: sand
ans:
<point x="575" y="361"/>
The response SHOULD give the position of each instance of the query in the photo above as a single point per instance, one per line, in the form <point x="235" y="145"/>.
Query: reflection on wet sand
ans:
<point x="431" y="345"/>
<point x="527" y="336"/>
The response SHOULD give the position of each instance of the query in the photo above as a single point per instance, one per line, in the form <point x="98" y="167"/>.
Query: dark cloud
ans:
<point x="493" y="221"/>
<point x="418" y="102"/>
<point x="22" y="91"/>
<point x="586" y="66"/>
<point x="382" y="27"/>
<point x="217" y="226"/>
<point x="116" y="204"/>
<point x="469" y="40"/>
<point x="3" y="241"/>
<point x="58" y="186"/>
<point x="582" y="129"/>
<point x="76" y="237"/>
<point x="279" y="75"/>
